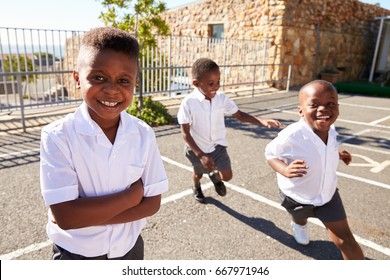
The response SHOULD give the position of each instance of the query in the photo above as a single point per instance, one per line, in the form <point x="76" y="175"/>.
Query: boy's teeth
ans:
<point x="110" y="104"/>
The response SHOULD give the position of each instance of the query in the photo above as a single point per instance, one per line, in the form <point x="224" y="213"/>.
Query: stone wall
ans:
<point x="70" y="63"/>
<point x="310" y="34"/>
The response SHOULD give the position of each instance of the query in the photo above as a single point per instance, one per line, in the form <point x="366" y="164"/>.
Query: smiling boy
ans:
<point x="305" y="156"/>
<point x="202" y="120"/>
<point x="101" y="170"/>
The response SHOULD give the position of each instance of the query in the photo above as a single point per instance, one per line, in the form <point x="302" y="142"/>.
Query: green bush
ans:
<point x="153" y="112"/>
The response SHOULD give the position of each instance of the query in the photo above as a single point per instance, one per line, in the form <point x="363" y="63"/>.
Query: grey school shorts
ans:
<point x="332" y="211"/>
<point x="135" y="253"/>
<point x="219" y="155"/>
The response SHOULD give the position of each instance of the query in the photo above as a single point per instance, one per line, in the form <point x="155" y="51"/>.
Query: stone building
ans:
<point x="312" y="35"/>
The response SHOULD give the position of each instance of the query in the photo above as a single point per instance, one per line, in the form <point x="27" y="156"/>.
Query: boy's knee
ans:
<point x="346" y="242"/>
<point x="197" y="175"/>
<point x="227" y="176"/>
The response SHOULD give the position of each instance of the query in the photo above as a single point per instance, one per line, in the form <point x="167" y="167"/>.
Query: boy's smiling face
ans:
<point x="107" y="80"/>
<point x="208" y="84"/>
<point x="318" y="105"/>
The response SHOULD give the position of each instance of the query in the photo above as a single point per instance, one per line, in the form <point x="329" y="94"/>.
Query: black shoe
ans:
<point x="220" y="188"/>
<point x="199" y="196"/>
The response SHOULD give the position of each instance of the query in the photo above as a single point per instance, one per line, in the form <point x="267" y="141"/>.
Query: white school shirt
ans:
<point x="78" y="160"/>
<point x="206" y="118"/>
<point x="298" y="141"/>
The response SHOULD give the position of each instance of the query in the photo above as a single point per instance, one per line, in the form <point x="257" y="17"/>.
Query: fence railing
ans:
<point x="36" y="67"/>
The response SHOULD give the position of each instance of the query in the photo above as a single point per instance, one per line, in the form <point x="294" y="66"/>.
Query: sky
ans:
<point x="79" y="15"/>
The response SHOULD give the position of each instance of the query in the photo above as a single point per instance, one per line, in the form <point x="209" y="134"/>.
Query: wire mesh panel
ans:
<point x="36" y="66"/>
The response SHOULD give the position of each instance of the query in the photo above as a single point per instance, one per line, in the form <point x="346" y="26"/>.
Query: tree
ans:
<point x="18" y="64"/>
<point x="142" y="18"/>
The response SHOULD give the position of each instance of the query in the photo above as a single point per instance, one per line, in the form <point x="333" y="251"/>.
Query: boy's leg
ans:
<point x="334" y="218"/>
<point x="299" y="215"/>
<point x="199" y="196"/>
<point x="224" y="172"/>
<point x="217" y="177"/>
<point x="341" y="235"/>
<point x="196" y="175"/>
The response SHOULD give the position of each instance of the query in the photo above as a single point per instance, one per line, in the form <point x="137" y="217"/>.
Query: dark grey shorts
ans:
<point x="219" y="155"/>
<point x="136" y="253"/>
<point x="332" y="211"/>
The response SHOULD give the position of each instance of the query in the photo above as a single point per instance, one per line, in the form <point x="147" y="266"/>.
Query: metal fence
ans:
<point x="36" y="66"/>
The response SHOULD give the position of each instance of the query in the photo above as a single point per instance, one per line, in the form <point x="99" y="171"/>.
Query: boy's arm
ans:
<point x="91" y="211"/>
<point x="207" y="162"/>
<point x="245" y="117"/>
<point x="345" y="156"/>
<point x="297" y="168"/>
<point x="148" y="207"/>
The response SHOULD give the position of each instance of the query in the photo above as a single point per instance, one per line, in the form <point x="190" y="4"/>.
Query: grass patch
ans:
<point x="153" y="112"/>
<point x="363" y="87"/>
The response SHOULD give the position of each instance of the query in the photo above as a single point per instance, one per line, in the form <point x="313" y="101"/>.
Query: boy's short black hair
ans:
<point x="203" y="66"/>
<point x="326" y="84"/>
<point x="101" y="38"/>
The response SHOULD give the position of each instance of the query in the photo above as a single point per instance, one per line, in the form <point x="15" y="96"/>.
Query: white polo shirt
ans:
<point x="206" y="118"/>
<point x="78" y="160"/>
<point x="298" y="141"/>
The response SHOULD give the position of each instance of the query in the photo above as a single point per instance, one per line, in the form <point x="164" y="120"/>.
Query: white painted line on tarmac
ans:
<point x="178" y="164"/>
<point x="26" y="250"/>
<point x="272" y="203"/>
<point x="339" y="119"/>
<point x="367" y="149"/>
<point x="364" y="180"/>
<point x="255" y="196"/>
<point x="38" y="246"/>
<point x="355" y="135"/>
<point x="365" y="242"/>
<point x="175" y="197"/>
<point x="380" y="120"/>
<point x="364" y="106"/>
<point x="182" y="194"/>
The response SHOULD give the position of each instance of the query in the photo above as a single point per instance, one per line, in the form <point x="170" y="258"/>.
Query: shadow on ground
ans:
<point x="318" y="250"/>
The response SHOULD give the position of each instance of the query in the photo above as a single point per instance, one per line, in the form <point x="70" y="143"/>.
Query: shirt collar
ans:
<point x="83" y="122"/>
<point x="85" y="125"/>
<point x="200" y="96"/>
<point x="308" y="132"/>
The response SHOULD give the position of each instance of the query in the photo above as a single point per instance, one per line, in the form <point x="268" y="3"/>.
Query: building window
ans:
<point x="216" y="31"/>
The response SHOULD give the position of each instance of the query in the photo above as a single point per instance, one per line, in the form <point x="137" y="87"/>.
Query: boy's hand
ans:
<point x="345" y="156"/>
<point x="207" y="162"/>
<point x="270" y="123"/>
<point x="136" y="191"/>
<point x="295" y="169"/>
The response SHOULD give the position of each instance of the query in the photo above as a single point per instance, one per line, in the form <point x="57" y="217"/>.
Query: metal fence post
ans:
<point x="224" y="63"/>
<point x="169" y="65"/>
<point x="20" y="91"/>
<point x="288" y="78"/>
<point x="254" y="81"/>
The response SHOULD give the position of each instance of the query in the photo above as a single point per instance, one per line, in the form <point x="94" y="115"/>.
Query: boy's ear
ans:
<point x="195" y="83"/>
<point x="300" y="111"/>
<point x="76" y="77"/>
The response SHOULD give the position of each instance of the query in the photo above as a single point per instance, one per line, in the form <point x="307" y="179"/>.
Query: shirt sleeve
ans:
<point x="154" y="177"/>
<point x="230" y="106"/>
<point x="58" y="179"/>
<point x="281" y="148"/>
<point x="183" y="115"/>
<point x="270" y="150"/>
